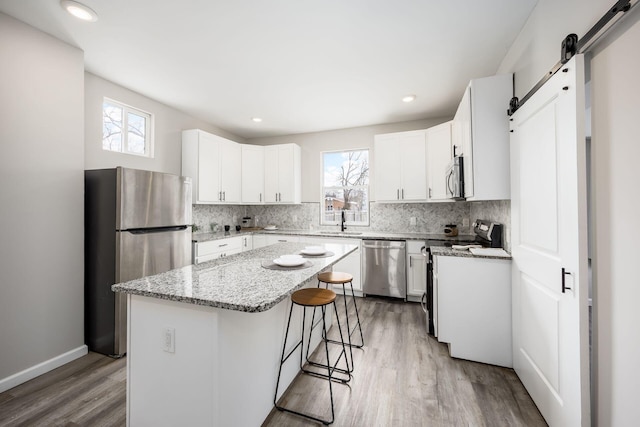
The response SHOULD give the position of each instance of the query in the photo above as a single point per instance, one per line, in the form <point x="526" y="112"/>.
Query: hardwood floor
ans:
<point x="402" y="377"/>
<point x="90" y="391"/>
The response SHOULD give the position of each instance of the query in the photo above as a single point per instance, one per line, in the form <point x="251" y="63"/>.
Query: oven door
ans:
<point x="428" y="295"/>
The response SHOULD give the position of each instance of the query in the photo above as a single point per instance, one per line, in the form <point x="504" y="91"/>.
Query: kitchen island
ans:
<point x="205" y="340"/>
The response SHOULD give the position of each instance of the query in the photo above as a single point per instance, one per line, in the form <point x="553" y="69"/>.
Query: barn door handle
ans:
<point x="564" y="286"/>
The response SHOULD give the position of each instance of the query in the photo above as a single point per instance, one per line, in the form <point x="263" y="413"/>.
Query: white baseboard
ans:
<point x="42" y="368"/>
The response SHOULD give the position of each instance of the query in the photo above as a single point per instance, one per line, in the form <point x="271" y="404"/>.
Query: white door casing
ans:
<point x="549" y="234"/>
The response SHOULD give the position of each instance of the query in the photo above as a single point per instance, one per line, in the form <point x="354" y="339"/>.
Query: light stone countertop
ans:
<point x="237" y="282"/>
<point x="442" y="251"/>
<point x="328" y="233"/>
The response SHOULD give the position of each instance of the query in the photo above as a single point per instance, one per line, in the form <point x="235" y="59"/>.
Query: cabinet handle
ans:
<point x="397" y="194"/>
<point x="223" y="245"/>
<point x="403" y="194"/>
<point x="224" y="196"/>
<point x="261" y="197"/>
<point x="276" y="197"/>
<point x="429" y="192"/>
<point x="410" y="261"/>
<point x="279" y="197"/>
<point x="284" y="241"/>
<point x="219" y="195"/>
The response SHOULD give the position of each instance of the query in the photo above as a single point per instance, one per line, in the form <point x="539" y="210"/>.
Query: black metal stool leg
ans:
<point x="347" y="371"/>
<point x="355" y="305"/>
<point x="329" y="367"/>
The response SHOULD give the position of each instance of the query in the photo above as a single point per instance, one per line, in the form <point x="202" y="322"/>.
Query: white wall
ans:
<point x="169" y="123"/>
<point x="342" y="139"/>
<point x="41" y="198"/>
<point x="537" y="47"/>
<point x="615" y="176"/>
<point x="616" y="150"/>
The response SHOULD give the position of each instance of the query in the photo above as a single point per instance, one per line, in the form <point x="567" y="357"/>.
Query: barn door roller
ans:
<point x="572" y="45"/>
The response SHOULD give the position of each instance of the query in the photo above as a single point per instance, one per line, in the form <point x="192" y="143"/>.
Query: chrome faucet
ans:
<point x="342" y="226"/>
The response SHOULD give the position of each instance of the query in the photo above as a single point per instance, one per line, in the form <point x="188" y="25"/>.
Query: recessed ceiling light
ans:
<point x="408" y="98"/>
<point x="79" y="10"/>
<point x="256" y="119"/>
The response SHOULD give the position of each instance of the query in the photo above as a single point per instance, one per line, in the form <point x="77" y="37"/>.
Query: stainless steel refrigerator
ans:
<point x="137" y="223"/>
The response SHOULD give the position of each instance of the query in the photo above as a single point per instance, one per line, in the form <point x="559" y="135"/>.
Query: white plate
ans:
<point x="271" y="228"/>
<point x="314" y="250"/>
<point x="289" y="262"/>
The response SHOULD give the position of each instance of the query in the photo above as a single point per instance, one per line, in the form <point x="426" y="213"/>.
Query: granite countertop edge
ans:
<point x="463" y="253"/>
<point x="260" y="294"/>
<point x="328" y="234"/>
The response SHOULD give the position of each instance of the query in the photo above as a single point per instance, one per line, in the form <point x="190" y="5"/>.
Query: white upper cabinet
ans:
<point x="214" y="165"/>
<point x="480" y="133"/>
<point x="400" y="167"/>
<point x="252" y="173"/>
<point x="282" y="174"/>
<point x="439" y="154"/>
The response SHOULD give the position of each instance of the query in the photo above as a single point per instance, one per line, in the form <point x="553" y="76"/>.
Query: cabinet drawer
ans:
<point x="216" y="246"/>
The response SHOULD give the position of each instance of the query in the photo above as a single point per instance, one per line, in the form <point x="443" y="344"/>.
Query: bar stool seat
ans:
<point x="315" y="298"/>
<point x="340" y="278"/>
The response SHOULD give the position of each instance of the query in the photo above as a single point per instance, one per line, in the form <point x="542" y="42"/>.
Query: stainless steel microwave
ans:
<point x="455" y="178"/>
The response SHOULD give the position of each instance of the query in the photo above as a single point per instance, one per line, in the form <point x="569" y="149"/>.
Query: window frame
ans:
<point x="324" y="189"/>
<point x="149" y="127"/>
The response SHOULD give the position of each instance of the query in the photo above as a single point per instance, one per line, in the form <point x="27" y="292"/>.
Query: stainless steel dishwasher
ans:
<point x="384" y="271"/>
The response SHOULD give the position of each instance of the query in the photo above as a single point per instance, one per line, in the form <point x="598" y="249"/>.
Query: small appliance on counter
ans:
<point x="488" y="234"/>
<point x="451" y="230"/>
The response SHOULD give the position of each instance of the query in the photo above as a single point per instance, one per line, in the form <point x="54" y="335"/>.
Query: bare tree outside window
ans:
<point x="126" y="129"/>
<point x="346" y="187"/>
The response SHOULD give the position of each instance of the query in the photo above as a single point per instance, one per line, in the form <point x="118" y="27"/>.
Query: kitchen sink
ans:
<point x="341" y="233"/>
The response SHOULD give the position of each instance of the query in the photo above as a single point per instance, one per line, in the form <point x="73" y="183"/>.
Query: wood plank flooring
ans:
<point x="403" y="377"/>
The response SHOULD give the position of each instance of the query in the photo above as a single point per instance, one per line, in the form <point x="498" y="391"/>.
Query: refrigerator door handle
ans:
<point x="157" y="229"/>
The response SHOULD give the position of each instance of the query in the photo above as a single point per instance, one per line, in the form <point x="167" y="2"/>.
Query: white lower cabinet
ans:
<point x="350" y="264"/>
<point x="247" y="242"/>
<point x="474" y="308"/>
<point x="262" y="240"/>
<point x="214" y="249"/>
<point x="416" y="270"/>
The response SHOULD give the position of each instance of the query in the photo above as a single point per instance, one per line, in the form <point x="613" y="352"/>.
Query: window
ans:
<point x="345" y="187"/>
<point x="126" y="129"/>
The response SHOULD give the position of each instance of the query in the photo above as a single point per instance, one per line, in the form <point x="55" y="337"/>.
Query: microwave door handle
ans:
<point x="449" y="190"/>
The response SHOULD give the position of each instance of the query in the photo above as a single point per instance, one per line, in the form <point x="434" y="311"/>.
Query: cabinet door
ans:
<point x="252" y="173"/>
<point x="208" y="172"/>
<point x="286" y="174"/>
<point x="271" y="176"/>
<point x="387" y="168"/>
<point x="438" y="158"/>
<point x="230" y="171"/>
<point x="413" y="166"/>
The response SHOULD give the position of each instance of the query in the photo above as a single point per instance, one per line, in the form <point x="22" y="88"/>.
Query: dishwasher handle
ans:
<point x="376" y="244"/>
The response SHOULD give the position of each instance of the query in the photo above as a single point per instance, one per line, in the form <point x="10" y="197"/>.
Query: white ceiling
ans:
<point x="303" y="66"/>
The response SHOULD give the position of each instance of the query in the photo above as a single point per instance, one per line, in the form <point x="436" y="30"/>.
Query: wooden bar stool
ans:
<point x="316" y="298"/>
<point x="338" y="278"/>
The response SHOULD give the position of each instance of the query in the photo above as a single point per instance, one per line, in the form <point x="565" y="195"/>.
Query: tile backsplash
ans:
<point x="430" y="217"/>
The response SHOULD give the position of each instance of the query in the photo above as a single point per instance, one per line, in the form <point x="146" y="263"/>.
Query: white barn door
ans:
<point x="549" y="241"/>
